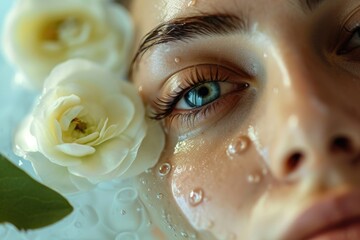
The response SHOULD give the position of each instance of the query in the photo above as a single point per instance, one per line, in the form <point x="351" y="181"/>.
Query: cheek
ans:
<point x="209" y="183"/>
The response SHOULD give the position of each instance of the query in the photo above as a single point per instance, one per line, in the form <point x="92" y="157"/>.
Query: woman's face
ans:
<point x="260" y="102"/>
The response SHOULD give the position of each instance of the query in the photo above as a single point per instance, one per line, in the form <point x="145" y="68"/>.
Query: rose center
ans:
<point x="80" y="125"/>
<point x="69" y="31"/>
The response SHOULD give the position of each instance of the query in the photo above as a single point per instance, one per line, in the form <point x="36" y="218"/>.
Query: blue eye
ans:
<point x="206" y="93"/>
<point x="197" y="90"/>
<point x="202" y="94"/>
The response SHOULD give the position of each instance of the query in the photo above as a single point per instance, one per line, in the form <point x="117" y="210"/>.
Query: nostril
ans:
<point x="341" y="144"/>
<point x="293" y="162"/>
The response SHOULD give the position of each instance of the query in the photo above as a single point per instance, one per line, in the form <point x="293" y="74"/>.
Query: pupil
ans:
<point x="203" y="92"/>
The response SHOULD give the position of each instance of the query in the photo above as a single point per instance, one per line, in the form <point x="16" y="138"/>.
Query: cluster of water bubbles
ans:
<point x="111" y="211"/>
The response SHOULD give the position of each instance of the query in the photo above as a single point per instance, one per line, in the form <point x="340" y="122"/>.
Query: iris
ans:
<point x="202" y="94"/>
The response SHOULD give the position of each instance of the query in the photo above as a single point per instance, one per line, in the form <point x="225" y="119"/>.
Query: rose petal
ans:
<point x="81" y="183"/>
<point x="87" y="139"/>
<point x="52" y="175"/>
<point x="61" y="105"/>
<point x="149" y="151"/>
<point x="138" y="118"/>
<point x="82" y="73"/>
<point x="128" y="161"/>
<point x="120" y="113"/>
<point x="109" y="38"/>
<point x="24" y="141"/>
<point x="76" y="150"/>
<point x="68" y="116"/>
<point x="109" y="156"/>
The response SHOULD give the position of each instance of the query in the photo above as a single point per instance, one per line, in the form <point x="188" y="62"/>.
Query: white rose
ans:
<point x="88" y="126"/>
<point x="40" y="34"/>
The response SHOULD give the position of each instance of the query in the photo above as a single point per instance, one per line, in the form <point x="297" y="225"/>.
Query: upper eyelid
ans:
<point x="203" y="73"/>
<point x="162" y="104"/>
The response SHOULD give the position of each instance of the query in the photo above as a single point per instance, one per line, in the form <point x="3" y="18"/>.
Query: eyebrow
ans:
<point x="186" y="28"/>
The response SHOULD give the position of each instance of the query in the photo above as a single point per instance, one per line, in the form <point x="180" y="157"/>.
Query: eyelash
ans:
<point x="166" y="105"/>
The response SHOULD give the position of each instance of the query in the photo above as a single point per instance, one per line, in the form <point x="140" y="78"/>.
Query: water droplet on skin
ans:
<point x="122" y="212"/>
<point x="196" y="196"/>
<point x="163" y="213"/>
<point x="192" y="3"/>
<point x="159" y="196"/>
<point x="254" y="178"/>
<point x="177" y="60"/>
<point x="140" y="89"/>
<point x="193" y="236"/>
<point x="164" y="169"/>
<point x="184" y="234"/>
<point x="237" y="147"/>
<point x="143" y="181"/>
<point x="171" y="227"/>
<point x="209" y="224"/>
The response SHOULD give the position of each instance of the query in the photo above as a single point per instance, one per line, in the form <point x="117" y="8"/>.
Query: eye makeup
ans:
<point x="210" y="87"/>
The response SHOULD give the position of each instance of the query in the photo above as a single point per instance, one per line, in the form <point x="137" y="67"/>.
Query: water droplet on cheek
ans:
<point x="184" y="234"/>
<point x="159" y="196"/>
<point x="196" y="197"/>
<point x="143" y="181"/>
<point x="237" y="147"/>
<point x="164" y="169"/>
<point x="254" y="178"/>
<point x="140" y="89"/>
<point x="210" y="224"/>
<point x="192" y="3"/>
<point x="177" y="60"/>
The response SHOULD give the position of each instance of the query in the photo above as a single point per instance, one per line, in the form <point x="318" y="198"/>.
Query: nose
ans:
<point x="314" y="118"/>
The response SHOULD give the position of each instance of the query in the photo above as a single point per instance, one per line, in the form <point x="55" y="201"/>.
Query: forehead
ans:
<point x="149" y="13"/>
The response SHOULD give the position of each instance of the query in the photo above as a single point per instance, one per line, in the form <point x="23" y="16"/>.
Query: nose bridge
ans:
<point x="306" y="114"/>
<point x="304" y="96"/>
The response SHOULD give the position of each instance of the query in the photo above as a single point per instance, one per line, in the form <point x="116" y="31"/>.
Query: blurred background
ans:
<point x="110" y="211"/>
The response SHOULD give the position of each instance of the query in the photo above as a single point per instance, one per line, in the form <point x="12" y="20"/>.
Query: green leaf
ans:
<point x="26" y="203"/>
